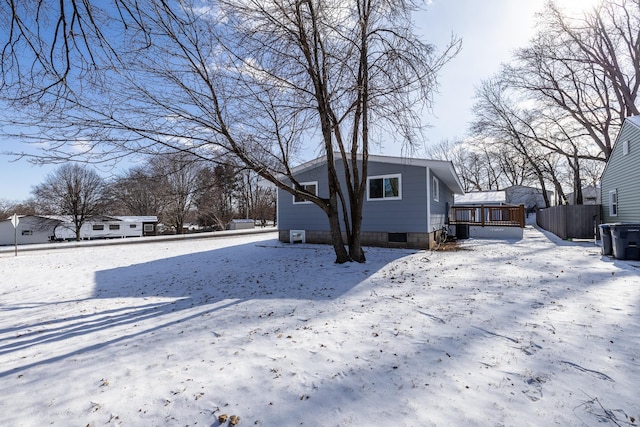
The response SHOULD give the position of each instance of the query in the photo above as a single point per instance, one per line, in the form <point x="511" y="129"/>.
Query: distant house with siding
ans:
<point x="620" y="183"/>
<point x="590" y="196"/>
<point x="531" y="197"/>
<point x="415" y="202"/>
<point x="33" y="229"/>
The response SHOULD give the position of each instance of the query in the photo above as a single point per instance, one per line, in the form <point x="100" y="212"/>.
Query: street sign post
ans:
<point x="15" y="221"/>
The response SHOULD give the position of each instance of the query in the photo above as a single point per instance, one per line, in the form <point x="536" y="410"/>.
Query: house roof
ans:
<point x="633" y="119"/>
<point x="68" y="218"/>
<point x="442" y="168"/>
<point x="132" y="218"/>
<point x="481" y="197"/>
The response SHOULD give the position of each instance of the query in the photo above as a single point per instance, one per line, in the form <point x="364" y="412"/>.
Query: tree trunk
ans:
<point x="332" y="211"/>
<point x="78" y="227"/>
<point x="577" y="181"/>
<point x="336" y="233"/>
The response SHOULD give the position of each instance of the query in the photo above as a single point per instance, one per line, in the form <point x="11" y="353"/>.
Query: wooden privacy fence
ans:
<point x="505" y="216"/>
<point x="570" y="221"/>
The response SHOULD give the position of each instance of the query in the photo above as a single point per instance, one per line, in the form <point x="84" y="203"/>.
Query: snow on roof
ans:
<point x="132" y="218"/>
<point x="481" y="197"/>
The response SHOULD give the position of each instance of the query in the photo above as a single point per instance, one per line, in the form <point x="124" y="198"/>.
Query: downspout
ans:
<point x="277" y="222"/>
<point x="428" y="200"/>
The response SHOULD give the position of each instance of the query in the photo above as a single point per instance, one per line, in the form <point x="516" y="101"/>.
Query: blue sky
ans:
<point x="490" y="30"/>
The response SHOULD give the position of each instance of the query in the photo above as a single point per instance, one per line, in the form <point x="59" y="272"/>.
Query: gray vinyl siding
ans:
<point x="407" y="215"/>
<point x="439" y="208"/>
<point x="398" y="216"/>
<point x="622" y="174"/>
<point x="304" y="216"/>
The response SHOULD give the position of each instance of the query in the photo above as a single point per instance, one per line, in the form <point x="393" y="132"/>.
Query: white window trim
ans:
<point x="397" y="175"/>
<point x="305" y="202"/>
<point x="613" y="194"/>
<point x="436" y="189"/>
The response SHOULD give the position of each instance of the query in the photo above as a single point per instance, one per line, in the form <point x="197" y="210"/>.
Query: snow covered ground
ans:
<point x="528" y="332"/>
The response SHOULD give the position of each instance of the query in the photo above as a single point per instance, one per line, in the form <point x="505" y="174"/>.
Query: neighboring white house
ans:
<point x="515" y="195"/>
<point x="480" y="198"/>
<point x="31" y="229"/>
<point x="42" y="229"/>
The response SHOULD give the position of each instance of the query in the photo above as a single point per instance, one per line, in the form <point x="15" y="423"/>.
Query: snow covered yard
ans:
<point x="528" y="332"/>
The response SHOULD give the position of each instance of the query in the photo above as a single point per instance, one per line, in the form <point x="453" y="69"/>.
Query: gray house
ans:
<point x="590" y="196"/>
<point x="620" y="184"/>
<point x="406" y="201"/>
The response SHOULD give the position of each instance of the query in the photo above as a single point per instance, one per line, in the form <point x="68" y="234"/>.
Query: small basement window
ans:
<point x="397" y="237"/>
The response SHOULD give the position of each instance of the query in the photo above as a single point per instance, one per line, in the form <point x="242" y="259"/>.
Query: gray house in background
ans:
<point x="406" y="201"/>
<point x="590" y="196"/>
<point x="620" y="183"/>
<point x="531" y="197"/>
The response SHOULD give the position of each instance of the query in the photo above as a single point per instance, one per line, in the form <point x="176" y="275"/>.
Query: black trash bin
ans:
<point x="462" y="231"/>
<point x="605" y="238"/>
<point x="625" y="240"/>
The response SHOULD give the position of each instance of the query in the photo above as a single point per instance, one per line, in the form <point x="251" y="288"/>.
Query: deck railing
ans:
<point x="505" y="216"/>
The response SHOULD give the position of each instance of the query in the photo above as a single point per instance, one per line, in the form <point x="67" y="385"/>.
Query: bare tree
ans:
<point x="216" y="195"/>
<point x="587" y="67"/>
<point x="176" y="175"/>
<point x="248" y="79"/>
<point x="6" y="209"/>
<point x="501" y="119"/>
<point x="473" y="162"/>
<point x="136" y="192"/>
<point x="74" y="190"/>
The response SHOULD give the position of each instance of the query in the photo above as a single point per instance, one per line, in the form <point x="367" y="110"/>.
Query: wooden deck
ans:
<point x="504" y="216"/>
